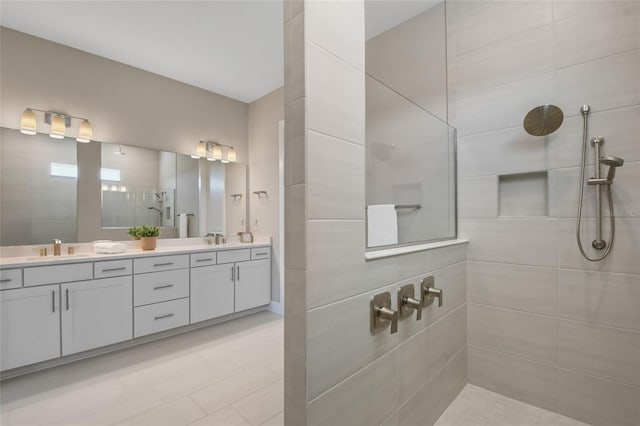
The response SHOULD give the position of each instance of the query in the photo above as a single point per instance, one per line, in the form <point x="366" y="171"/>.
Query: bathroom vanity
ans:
<point x="70" y="307"/>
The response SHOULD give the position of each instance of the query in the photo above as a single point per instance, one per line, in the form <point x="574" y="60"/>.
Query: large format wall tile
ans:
<point x="523" y="55"/>
<point x="596" y="401"/>
<point x="600" y="298"/>
<point x="503" y="106"/>
<point x="602" y="351"/>
<point x="335" y="96"/>
<point x="623" y="257"/>
<point x="335" y="179"/>
<point x="500" y="152"/>
<point x="610" y="82"/>
<point x="513" y="376"/>
<point x="295" y="147"/>
<point x="336" y="266"/>
<point x="520" y="241"/>
<point x="522" y="288"/>
<point x="478" y="197"/>
<point x="366" y="398"/>
<point x="530" y="336"/>
<point x="345" y="36"/>
<point x="612" y="28"/>
<point x="481" y="23"/>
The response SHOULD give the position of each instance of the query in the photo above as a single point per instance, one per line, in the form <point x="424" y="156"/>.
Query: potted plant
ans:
<point x="148" y="236"/>
<point x="133" y="231"/>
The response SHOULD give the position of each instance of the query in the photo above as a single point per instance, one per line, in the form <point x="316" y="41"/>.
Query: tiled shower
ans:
<point x="525" y="315"/>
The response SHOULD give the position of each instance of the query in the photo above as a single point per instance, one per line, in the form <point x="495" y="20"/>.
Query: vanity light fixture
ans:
<point x="85" y="134"/>
<point x="216" y="152"/>
<point x="28" y="122"/>
<point x="213" y="151"/>
<point x="58" y="127"/>
<point x="59" y="123"/>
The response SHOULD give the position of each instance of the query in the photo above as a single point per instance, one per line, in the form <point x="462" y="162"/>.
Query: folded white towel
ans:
<point x="109" y="248"/>
<point x="382" y="225"/>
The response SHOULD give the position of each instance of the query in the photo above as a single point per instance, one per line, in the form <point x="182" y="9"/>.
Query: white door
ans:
<point x="211" y="291"/>
<point x="253" y="284"/>
<point x="30" y="326"/>
<point x="96" y="313"/>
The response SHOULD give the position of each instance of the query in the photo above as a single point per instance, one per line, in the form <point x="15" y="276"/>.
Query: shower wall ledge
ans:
<point x="396" y="251"/>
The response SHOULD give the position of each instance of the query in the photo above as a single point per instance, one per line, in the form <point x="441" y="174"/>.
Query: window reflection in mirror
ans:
<point x="410" y="148"/>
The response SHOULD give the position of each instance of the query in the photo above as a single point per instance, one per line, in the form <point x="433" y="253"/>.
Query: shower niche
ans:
<point x="524" y="194"/>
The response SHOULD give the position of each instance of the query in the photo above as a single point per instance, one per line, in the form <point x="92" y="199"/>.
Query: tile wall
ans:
<point x="336" y="372"/>
<point x="544" y="325"/>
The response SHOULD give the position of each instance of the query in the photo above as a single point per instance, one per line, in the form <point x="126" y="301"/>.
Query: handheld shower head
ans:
<point x="613" y="163"/>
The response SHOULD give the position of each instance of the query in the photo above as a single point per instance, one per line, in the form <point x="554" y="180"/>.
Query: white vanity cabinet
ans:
<point x="252" y="284"/>
<point x="57" y="309"/>
<point x="212" y="292"/>
<point x="161" y="293"/>
<point x="96" y="313"/>
<point x="30" y="326"/>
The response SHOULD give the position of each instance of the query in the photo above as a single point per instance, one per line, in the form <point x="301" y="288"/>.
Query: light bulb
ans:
<point x="231" y="155"/>
<point x="201" y="150"/>
<point x="217" y="152"/>
<point x="85" y="134"/>
<point x="58" y="127"/>
<point x="28" y="122"/>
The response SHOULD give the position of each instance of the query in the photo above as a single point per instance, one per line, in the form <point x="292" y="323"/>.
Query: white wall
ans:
<point x="546" y="326"/>
<point x="264" y="116"/>
<point x="124" y="104"/>
<point x="336" y="371"/>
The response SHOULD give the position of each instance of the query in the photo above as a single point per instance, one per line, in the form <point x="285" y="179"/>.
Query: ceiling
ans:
<point x="234" y="48"/>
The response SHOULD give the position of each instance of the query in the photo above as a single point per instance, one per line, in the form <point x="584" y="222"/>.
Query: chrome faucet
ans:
<point x="57" y="247"/>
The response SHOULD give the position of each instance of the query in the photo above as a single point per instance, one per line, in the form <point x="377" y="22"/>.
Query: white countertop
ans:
<point x="165" y="247"/>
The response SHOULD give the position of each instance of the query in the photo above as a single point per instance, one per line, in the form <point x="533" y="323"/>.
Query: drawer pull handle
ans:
<point x="53" y="301"/>
<point x="163" y="264"/>
<point x="122" y="268"/>
<point x="204" y="260"/>
<point x="163" y="286"/>
<point x="163" y="316"/>
<point x="262" y="254"/>
<point x="67" y="297"/>
<point x="6" y="280"/>
<point x="238" y="274"/>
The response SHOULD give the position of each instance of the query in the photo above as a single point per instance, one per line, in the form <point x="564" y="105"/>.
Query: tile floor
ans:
<point x="475" y="406"/>
<point x="227" y="375"/>
<point x="230" y="374"/>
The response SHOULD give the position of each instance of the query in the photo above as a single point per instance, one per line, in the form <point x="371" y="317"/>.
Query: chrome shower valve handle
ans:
<point x="381" y="314"/>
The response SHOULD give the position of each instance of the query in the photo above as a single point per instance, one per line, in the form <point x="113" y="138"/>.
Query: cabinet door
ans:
<point x="253" y="284"/>
<point x="96" y="313"/>
<point x="211" y="292"/>
<point x="30" y="326"/>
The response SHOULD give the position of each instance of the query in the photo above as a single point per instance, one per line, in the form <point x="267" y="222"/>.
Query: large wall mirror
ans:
<point x="40" y="187"/>
<point x="410" y="147"/>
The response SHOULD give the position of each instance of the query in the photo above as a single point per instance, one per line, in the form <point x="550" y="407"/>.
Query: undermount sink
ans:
<point x="61" y="257"/>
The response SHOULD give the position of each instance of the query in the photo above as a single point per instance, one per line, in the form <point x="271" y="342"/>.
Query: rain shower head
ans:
<point x="543" y="120"/>
<point x="613" y="163"/>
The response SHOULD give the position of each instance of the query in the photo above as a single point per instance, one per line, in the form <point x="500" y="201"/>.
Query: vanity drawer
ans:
<point x="160" y="263"/>
<point x="203" y="259"/>
<point x="39" y="275"/>
<point x="160" y="316"/>
<point x="112" y="268"/>
<point x="160" y="286"/>
<point x="230" y="256"/>
<point x="10" y="278"/>
<point x="260" y="253"/>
